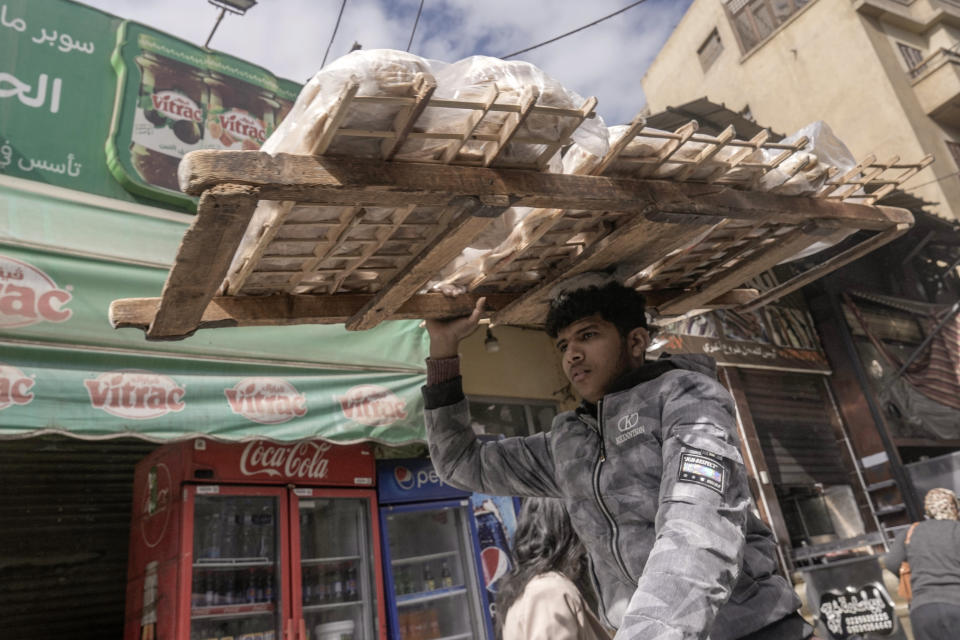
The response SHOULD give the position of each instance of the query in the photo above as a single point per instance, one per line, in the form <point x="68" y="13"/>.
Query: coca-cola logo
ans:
<point x="135" y="394"/>
<point x="177" y="106"/>
<point x="304" y="460"/>
<point x="372" y="405"/>
<point x="266" y="400"/>
<point x="154" y="509"/>
<point x="29" y="296"/>
<point x="242" y="124"/>
<point x="14" y="387"/>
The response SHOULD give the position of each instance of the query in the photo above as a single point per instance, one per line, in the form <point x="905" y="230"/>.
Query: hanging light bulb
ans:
<point x="490" y="343"/>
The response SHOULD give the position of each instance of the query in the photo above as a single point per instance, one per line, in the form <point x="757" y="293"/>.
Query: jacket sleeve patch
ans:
<point x="702" y="468"/>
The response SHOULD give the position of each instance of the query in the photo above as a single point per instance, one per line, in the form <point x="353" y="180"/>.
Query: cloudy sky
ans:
<point x="289" y="37"/>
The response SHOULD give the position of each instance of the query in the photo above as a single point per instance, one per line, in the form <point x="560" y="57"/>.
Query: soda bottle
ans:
<point x="308" y="577"/>
<point x="268" y="586"/>
<point x="252" y="585"/>
<point x="212" y="534"/>
<point x="337" y="586"/>
<point x="306" y="534"/>
<point x="263" y="547"/>
<point x="228" y="546"/>
<point x="199" y="591"/>
<point x="433" y="622"/>
<point x="351" y="584"/>
<point x="210" y="597"/>
<point x="229" y="587"/>
<point x="323" y="589"/>
<point x="428" y="582"/>
<point x="445" y="578"/>
<point x="261" y="579"/>
<point x="399" y="581"/>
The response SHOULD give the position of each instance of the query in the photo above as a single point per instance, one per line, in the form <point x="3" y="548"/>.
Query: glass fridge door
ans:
<point x="236" y="568"/>
<point x="337" y="575"/>
<point x="435" y="582"/>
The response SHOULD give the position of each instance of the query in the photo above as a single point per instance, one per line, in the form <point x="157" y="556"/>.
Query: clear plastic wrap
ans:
<point x="378" y="72"/>
<point x="822" y="151"/>
<point x="473" y="79"/>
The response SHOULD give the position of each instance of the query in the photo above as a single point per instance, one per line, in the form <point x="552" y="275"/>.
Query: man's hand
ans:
<point x="446" y="334"/>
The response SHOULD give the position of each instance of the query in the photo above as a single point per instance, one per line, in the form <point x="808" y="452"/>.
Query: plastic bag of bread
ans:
<point x="377" y="72"/>
<point x="485" y="79"/>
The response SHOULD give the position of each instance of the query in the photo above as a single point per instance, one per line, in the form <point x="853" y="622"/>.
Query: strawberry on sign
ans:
<point x="29" y="296"/>
<point x="372" y="405"/>
<point x="266" y="400"/>
<point x="14" y="387"/>
<point x="135" y="394"/>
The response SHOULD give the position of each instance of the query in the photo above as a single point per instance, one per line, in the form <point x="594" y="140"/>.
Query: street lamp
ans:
<point x="238" y="7"/>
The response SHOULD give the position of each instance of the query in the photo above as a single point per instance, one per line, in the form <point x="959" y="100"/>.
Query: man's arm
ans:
<point x="512" y="466"/>
<point x="701" y="521"/>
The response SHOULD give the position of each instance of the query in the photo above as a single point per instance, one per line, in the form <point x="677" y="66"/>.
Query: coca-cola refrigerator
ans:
<point x="435" y="553"/>
<point x="255" y="541"/>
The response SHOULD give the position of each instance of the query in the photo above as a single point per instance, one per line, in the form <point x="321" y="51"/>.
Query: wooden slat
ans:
<point x="510" y="126"/>
<point x="551" y="149"/>
<point x="788" y="246"/>
<point x="640" y="240"/>
<point x="383" y="234"/>
<point x="286" y="310"/>
<point x="350" y="181"/>
<point x="828" y="266"/>
<point x="338" y="112"/>
<point x="638" y="123"/>
<point x="472" y="217"/>
<point x="473" y="120"/>
<point x="203" y="259"/>
<point x="424" y="86"/>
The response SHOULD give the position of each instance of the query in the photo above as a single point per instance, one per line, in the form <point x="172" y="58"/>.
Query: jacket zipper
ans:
<point x="614" y="547"/>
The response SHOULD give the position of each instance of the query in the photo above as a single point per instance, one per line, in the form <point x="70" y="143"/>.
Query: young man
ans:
<point x="649" y="467"/>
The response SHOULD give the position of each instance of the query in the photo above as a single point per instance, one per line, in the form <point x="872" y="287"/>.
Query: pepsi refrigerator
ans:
<point x="442" y="549"/>
<point x="255" y="541"/>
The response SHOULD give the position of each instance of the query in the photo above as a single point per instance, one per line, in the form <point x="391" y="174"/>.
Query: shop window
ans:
<point x="510" y="416"/>
<point x="710" y="50"/>
<point x="754" y="20"/>
<point x="911" y="55"/>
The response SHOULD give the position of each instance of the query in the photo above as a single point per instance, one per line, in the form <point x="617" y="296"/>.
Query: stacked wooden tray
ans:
<point x="356" y="240"/>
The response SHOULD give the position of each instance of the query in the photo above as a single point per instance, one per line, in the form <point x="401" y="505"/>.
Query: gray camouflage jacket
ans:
<point x="657" y="491"/>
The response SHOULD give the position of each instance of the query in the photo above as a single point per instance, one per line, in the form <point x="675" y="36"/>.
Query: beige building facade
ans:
<point x="884" y="74"/>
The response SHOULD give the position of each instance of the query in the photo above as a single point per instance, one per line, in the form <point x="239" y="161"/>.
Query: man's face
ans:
<point x="594" y="354"/>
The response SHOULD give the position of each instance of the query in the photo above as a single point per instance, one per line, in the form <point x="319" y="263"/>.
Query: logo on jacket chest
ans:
<point x="628" y="426"/>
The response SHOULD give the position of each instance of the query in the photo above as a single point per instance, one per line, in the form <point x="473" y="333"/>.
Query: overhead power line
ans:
<point x="334" y="34"/>
<point x="569" y="33"/>
<point x="923" y="184"/>
<point x="415" y="23"/>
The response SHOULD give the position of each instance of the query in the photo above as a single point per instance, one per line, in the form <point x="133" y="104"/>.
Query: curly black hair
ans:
<point x="622" y="306"/>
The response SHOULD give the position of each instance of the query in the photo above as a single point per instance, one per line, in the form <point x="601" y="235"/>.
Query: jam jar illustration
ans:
<point x="168" y="119"/>
<point x="239" y="115"/>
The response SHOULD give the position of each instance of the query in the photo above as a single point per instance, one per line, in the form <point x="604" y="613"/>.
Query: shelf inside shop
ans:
<point x="883" y="484"/>
<point x="426" y="596"/>
<point x="331" y="605"/>
<point x="888" y="509"/>
<point x="425" y="558"/>
<point x="231" y="611"/>
<point x="232" y="563"/>
<point x="329" y="560"/>
<point x="459" y="636"/>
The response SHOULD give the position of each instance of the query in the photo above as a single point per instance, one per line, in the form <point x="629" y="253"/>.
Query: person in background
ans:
<point x="540" y="599"/>
<point x="934" y="557"/>
<point x="648" y="466"/>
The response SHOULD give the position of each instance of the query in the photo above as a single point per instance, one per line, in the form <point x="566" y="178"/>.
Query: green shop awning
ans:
<point x="63" y="368"/>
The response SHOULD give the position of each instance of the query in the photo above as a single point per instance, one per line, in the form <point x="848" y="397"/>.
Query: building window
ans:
<point x="754" y="20"/>
<point x="911" y="55"/>
<point x="710" y="49"/>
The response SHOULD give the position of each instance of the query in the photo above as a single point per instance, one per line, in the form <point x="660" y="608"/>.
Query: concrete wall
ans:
<point x="526" y="366"/>
<point x="828" y="62"/>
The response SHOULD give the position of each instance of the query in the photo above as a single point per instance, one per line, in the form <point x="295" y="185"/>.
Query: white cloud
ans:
<point x="289" y="37"/>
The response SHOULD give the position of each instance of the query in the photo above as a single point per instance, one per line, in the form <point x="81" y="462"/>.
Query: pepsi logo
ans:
<point x="404" y="478"/>
<point x="496" y="563"/>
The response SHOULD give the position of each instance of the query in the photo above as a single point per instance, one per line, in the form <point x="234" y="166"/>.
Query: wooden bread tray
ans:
<point x="355" y="240"/>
